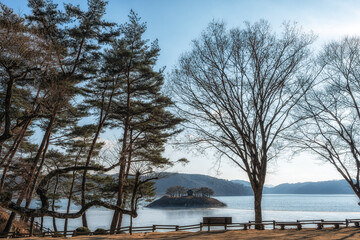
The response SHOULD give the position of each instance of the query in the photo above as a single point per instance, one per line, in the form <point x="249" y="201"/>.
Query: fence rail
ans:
<point x="234" y="226"/>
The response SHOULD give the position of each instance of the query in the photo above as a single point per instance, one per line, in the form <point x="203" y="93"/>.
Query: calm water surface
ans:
<point x="280" y="207"/>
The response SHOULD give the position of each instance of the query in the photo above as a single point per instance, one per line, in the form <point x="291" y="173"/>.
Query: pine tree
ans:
<point x="139" y="108"/>
<point x="75" y="37"/>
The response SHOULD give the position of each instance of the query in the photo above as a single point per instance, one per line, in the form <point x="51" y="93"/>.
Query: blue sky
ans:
<point x="176" y="23"/>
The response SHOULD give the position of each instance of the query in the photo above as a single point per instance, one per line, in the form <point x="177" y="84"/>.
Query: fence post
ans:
<point x="31" y="226"/>
<point x="176" y="228"/>
<point x="274" y="224"/>
<point x="130" y="229"/>
<point x="154" y="228"/>
<point x="201" y="226"/>
<point x="347" y="222"/>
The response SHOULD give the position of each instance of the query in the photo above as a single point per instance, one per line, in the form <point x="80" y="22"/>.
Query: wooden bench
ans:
<point x="283" y="224"/>
<point x="216" y="221"/>
<point x="355" y="221"/>
<point x="336" y="224"/>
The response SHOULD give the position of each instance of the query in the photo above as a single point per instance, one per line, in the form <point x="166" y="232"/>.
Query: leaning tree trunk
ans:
<point x="71" y="192"/>
<point x="33" y="169"/>
<point x="53" y="201"/>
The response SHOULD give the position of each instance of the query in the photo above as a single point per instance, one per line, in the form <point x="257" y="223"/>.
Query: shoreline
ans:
<point x="310" y="233"/>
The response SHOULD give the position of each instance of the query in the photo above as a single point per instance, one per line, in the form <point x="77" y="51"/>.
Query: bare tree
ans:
<point x="332" y="130"/>
<point x="237" y="88"/>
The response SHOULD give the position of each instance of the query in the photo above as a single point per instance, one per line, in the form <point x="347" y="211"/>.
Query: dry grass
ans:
<point x="324" y="234"/>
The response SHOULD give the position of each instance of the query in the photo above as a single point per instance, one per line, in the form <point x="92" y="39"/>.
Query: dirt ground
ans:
<point x="324" y="234"/>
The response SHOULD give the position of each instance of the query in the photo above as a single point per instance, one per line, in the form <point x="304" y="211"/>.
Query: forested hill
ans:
<point x="221" y="187"/>
<point x="326" y="187"/>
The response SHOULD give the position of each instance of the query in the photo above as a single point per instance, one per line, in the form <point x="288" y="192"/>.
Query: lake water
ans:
<point x="280" y="207"/>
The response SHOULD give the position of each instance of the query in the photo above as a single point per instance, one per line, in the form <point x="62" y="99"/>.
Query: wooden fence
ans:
<point x="320" y="223"/>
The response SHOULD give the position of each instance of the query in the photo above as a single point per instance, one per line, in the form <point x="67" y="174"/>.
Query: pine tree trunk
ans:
<point x="88" y="159"/>
<point x="71" y="193"/>
<point x="10" y="150"/>
<point x="84" y="220"/>
<point x="29" y="198"/>
<point x="115" y="220"/>
<point x="42" y="223"/>
<point x="9" y="222"/>
<point x="33" y="169"/>
<point x="13" y="151"/>
<point x="53" y="201"/>
<point x="121" y="180"/>
<point x="125" y="198"/>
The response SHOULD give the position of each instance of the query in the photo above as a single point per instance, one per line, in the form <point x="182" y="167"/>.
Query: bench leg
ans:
<point x="299" y="227"/>
<point x="319" y="226"/>
<point x="225" y="227"/>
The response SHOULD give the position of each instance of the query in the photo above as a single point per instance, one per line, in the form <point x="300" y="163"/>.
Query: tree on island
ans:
<point x="205" y="191"/>
<point x="180" y="191"/>
<point x="176" y="191"/>
<point x="237" y="90"/>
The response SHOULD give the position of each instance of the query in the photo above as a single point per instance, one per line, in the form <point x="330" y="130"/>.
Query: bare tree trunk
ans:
<point x="257" y="207"/>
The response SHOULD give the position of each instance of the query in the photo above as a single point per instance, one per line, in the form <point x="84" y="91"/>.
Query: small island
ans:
<point x="180" y="197"/>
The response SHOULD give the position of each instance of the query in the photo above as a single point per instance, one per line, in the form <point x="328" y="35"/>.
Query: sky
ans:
<point x="175" y="23"/>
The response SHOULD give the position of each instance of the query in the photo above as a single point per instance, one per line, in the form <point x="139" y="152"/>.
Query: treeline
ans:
<point x="67" y="76"/>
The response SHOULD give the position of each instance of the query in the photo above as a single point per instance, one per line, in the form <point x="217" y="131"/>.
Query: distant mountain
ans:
<point x="221" y="187"/>
<point x="246" y="183"/>
<point x="325" y="187"/>
<point x="243" y="182"/>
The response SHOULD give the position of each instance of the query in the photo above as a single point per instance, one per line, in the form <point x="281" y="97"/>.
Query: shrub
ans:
<point x="81" y="231"/>
<point x="100" y="231"/>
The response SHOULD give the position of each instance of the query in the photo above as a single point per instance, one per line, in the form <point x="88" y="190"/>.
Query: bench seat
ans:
<point x="336" y="224"/>
<point x="216" y="221"/>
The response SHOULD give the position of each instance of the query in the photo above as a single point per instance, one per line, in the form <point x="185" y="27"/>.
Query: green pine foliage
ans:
<point x="67" y="77"/>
